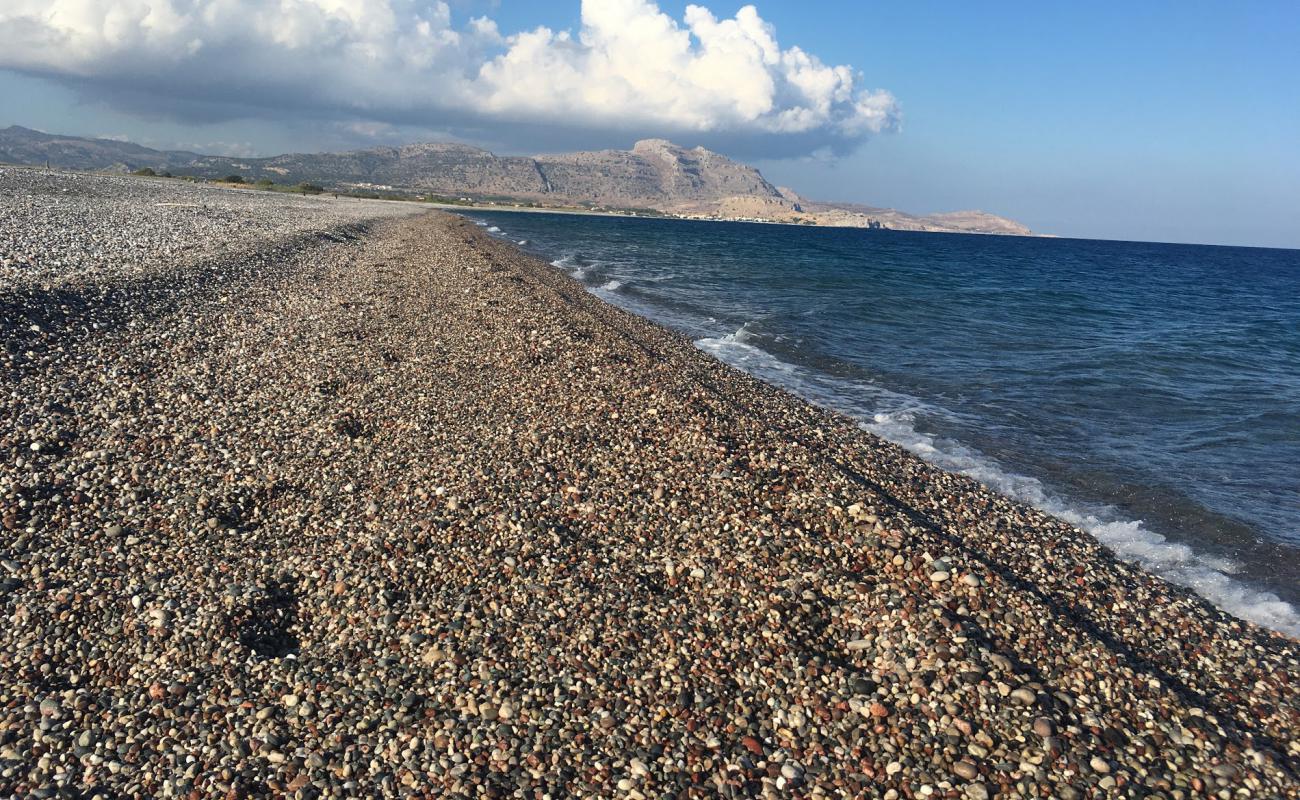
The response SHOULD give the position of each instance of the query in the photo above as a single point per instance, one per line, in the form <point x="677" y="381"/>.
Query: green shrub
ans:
<point x="265" y="183"/>
<point x="309" y="188"/>
<point x="233" y="179"/>
<point x="145" y="172"/>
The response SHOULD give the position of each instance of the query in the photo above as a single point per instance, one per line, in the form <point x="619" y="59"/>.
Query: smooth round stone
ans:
<point x="1023" y="696"/>
<point x="970" y="580"/>
<point x="966" y="770"/>
<point x="289" y="700"/>
<point x="1099" y="765"/>
<point x="939" y="577"/>
<point x="977" y="791"/>
<point x="1044" y="727"/>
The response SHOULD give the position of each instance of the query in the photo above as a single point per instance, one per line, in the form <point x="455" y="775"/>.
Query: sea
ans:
<point x="1147" y="393"/>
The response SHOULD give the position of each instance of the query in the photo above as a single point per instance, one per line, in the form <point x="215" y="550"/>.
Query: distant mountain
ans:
<point x="655" y="174"/>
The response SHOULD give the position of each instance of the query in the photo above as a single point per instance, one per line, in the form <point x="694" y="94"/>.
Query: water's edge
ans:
<point x="1208" y="575"/>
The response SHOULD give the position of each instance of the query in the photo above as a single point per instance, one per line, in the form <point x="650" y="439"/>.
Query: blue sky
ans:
<point x="1158" y="120"/>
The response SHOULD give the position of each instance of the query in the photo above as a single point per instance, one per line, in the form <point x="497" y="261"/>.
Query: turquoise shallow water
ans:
<point x="1149" y="393"/>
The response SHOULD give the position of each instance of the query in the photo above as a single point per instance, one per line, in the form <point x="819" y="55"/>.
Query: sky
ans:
<point x="1165" y="121"/>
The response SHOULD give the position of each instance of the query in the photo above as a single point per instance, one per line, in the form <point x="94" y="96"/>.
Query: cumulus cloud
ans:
<point x="630" y="68"/>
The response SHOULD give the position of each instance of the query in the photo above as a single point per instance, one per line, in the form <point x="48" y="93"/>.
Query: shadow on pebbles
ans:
<point x="313" y="498"/>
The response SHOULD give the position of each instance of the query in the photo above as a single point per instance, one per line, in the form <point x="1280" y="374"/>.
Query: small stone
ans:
<point x="858" y="644"/>
<point x="977" y="791"/>
<point x="1099" y="765"/>
<point x="1024" y="696"/>
<point x="1044" y="727"/>
<point x="289" y="700"/>
<point x="939" y="576"/>
<point x="966" y="770"/>
<point x="970" y="580"/>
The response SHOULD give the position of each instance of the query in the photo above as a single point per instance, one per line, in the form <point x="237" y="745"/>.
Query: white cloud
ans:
<point x="629" y="67"/>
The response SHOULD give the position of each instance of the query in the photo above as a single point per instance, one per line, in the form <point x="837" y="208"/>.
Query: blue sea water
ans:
<point x="1149" y="393"/>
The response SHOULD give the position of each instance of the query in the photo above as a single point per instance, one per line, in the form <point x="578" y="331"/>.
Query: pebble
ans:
<point x="1023" y="696"/>
<point x="966" y="770"/>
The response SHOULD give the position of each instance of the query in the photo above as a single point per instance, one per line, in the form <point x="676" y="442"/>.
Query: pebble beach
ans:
<point x="329" y="498"/>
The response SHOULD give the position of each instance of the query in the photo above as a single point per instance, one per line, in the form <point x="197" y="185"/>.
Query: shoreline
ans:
<point x="412" y="493"/>
<point x="1213" y="567"/>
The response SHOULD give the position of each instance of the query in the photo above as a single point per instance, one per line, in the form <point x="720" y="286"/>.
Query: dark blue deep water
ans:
<point x="1149" y="393"/>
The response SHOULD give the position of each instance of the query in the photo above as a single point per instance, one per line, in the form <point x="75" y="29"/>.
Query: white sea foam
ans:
<point x="522" y="242"/>
<point x="612" y="286"/>
<point x="1129" y="539"/>
<point x="494" y="229"/>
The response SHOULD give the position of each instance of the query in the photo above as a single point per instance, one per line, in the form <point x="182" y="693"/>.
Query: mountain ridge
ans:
<point x="655" y="175"/>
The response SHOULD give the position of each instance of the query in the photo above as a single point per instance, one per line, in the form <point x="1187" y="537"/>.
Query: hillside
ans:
<point x="654" y="175"/>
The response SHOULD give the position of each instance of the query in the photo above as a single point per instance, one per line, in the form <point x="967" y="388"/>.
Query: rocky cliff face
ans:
<point x="654" y="174"/>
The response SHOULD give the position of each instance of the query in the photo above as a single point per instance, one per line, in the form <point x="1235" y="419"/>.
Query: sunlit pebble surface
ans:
<point x="60" y="228"/>
<point x="398" y="511"/>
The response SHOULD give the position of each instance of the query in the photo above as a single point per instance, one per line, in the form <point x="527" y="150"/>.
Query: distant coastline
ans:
<point x="655" y="178"/>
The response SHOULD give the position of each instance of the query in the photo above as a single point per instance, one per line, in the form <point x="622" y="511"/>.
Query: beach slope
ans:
<point x="359" y="503"/>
